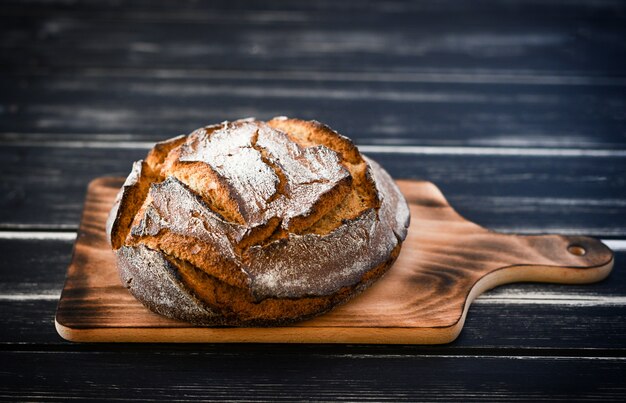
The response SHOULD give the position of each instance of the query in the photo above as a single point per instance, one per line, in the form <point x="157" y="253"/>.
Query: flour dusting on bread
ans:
<point x="256" y="223"/>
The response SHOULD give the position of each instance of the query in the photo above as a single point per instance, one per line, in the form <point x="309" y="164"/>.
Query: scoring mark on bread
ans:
<point x="254" y="178"/>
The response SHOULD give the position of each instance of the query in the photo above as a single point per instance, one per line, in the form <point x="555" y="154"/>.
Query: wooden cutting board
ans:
<point x="445" y="263"/>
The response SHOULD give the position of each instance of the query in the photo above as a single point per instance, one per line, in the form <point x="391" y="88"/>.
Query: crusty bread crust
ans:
<point x="167" y="287"/>
<point x="255" y="223"/>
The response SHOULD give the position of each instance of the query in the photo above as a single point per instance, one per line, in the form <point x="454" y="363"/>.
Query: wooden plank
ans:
<point x="553" y="317"/>
<point x="33" y="269"/>
<point x="189" y="7"/>
<point x="305" y="374"/>
<point x="498" y="329"/>
<point x="60" y="174"/>
<point x="392" y="38"/>
<point x="139" y="108"/>
<point x="44" y="187"/>
<point x="32" y="275"/>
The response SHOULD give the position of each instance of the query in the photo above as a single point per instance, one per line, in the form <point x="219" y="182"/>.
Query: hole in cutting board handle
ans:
<point x="577" y="250"/>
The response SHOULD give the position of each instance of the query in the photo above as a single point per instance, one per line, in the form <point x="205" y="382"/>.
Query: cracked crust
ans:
<point x="255" y="223"/>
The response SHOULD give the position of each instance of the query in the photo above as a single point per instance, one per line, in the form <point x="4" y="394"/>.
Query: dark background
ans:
<point x="515" y="109"/>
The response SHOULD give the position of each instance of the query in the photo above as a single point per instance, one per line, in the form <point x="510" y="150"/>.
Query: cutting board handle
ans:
<point x="495" y="258"/>
<point x="558" y="259"/>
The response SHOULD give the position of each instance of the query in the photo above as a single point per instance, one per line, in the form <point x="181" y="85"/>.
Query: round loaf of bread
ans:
<point x="255" y="223"/>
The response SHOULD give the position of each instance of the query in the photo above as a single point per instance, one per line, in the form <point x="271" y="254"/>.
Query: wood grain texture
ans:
<point x="304" y="373"/>
<point x="558" y="37"/>
<point x="371" y="108"/>
<point x="445" y="263"/>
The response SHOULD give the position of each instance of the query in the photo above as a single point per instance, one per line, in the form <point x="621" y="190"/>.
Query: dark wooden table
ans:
<point x="516" y="109"/>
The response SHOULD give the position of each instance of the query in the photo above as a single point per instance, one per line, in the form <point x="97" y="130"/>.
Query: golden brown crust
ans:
<point x="260" y="223"/>
<point x="127" y="203"/>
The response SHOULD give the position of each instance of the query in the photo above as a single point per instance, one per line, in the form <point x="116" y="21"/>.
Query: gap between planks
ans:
<point x="496" y="77"/>
<point x="537" y="354"/>
<point x="374" y="149"/>
<point x="504" y="298"/>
